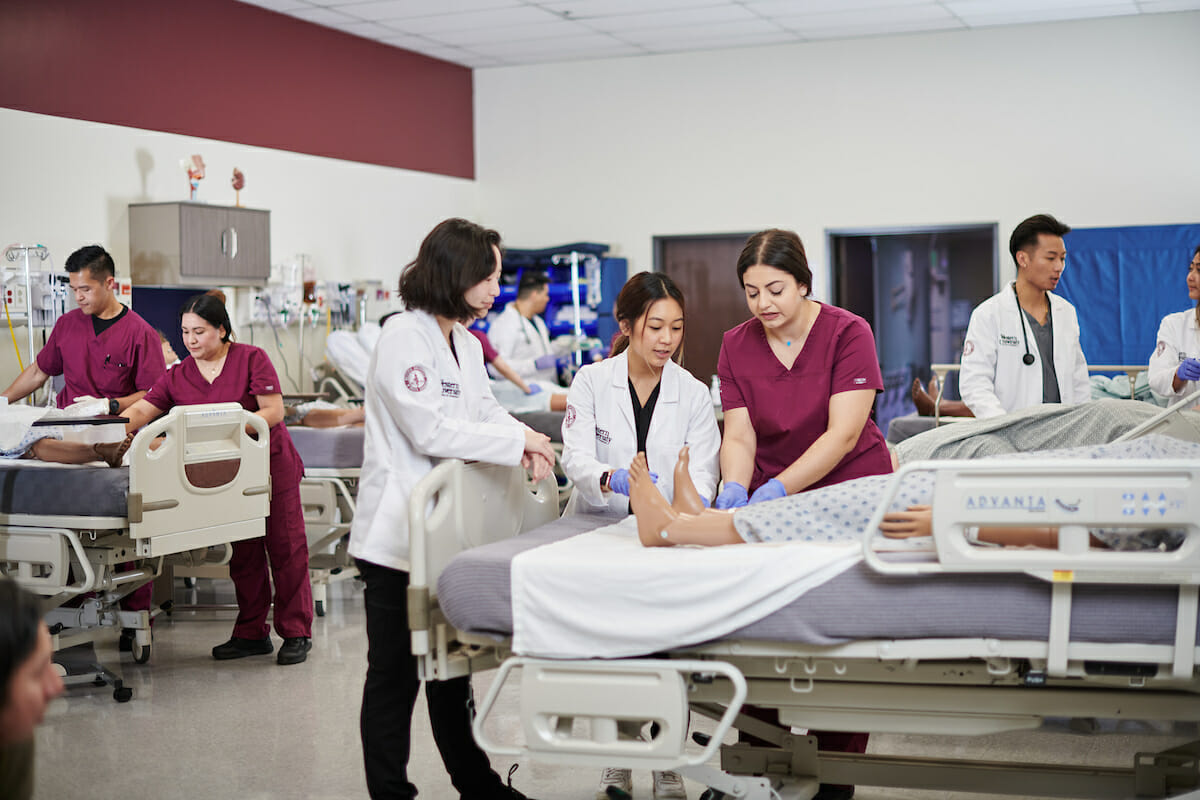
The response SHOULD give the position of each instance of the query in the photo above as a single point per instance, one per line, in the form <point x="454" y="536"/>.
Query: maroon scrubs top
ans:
<point x="489" y="352"/>
<point x="124" y="359"/>
<point x="789" y="409"/>
<point x="247" y="372"/>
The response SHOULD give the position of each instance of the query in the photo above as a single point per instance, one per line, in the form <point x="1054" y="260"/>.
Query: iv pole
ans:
<point x="23" y="252"/>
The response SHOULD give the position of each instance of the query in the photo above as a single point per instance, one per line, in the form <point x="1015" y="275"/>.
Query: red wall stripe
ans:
<point x="226" y="70"/>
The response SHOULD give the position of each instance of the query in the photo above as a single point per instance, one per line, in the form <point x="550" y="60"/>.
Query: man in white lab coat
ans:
<point x="520" y="336"/>
<point x="1022" y="346"/>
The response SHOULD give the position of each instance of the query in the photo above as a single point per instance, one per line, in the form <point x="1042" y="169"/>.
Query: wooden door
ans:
<point x="705" y="268"/>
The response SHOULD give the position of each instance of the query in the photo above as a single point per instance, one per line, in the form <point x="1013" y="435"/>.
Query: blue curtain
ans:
<point x="1122" y="282"/>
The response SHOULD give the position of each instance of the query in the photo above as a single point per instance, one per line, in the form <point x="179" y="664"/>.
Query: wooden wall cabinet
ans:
<point x="196" y="244"/>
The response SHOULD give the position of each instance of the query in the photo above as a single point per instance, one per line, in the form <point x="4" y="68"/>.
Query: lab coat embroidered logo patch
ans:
<point x="570" y="418"/>
<point x="1009" y="341"/>
<point x="968" y="348"/>
<point x="450" y="389"/>
<point x="603" y="436"/>
<point x="414" y="379"/>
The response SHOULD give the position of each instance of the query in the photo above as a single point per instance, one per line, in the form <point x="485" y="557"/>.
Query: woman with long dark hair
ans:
<point x="639" y="400"/>
<point x="1175" y="363"/>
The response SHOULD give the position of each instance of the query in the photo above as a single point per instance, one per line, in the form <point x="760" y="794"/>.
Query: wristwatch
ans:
<point x="604" y="480"/>
<point x="114" y="406"/>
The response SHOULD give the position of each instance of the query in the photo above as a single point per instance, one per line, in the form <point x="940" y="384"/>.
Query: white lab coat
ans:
<point x="599" y="433"/>
<point x="994" y="380"/>
<point x="422" y="406"/>
<point x="1178" y="339"/>
<point x="520" y="342"/>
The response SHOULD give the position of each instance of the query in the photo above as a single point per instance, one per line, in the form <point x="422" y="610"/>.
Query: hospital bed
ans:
<point x="328" y="493"/>
<point x="958" y="640"/>
<point x="84" y="537"/>
<point x="911" y="424"/>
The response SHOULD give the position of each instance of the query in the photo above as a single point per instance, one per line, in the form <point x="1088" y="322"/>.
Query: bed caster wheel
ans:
<point x="712" y="794"/>
<point x="320" y="608"/>
<point x="141" y="654"/>
<point x="122" y="694"/>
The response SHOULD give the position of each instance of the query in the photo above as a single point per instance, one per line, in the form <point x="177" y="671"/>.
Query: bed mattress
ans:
<point x="329" y="448"/>
<point x="475" y="593"/>
<point x="34" y="487"/>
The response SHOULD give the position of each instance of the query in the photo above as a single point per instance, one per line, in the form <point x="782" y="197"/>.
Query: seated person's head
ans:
<point x="93" y="278"/>
<point x="169" y="354"/>
<point x="534" y="288"/>
<point x="27" y="675"/>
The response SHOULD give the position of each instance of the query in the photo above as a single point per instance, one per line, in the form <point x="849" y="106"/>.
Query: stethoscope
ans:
<point x="1028" y="358"/>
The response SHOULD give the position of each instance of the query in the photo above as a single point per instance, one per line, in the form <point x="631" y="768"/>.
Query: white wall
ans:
<point x="1096" y="122"/>
<point x="65" y="183"/>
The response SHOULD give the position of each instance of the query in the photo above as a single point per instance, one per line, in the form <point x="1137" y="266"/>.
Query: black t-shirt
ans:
<point x="643" y="414"/>
<point x="101" y="325"/>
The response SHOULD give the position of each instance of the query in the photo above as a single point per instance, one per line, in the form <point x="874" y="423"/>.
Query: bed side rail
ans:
<point x="1169" y="422"/>
<point x="206" y="483"/>
<point x="554" y="695"/>
<point x="1070" y="494"/>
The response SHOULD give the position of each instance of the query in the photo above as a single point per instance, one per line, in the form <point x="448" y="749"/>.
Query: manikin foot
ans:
<point x="687" y="499"/>
<point x="111" y="453"/>
<point x="921" y="399"/>
<point x="654" y="513"/>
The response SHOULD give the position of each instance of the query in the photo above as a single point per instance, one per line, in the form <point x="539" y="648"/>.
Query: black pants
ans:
<point x="391" y="691"/>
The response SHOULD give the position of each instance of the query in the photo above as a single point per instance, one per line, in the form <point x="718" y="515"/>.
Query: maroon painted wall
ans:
<point x="225" y="70"/>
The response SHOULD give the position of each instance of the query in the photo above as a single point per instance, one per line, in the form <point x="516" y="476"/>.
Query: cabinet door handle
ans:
<point x="229" y="244"/>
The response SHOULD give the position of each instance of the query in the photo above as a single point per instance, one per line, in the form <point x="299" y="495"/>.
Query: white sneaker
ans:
<point x="617" y="778"/>
<point x="668" y="786"/>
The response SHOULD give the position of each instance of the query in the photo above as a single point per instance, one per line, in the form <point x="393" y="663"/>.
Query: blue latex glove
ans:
<point x="534" y="388"/>
<point x="547" y="361"/>
<point x="1189" y="370"/>
<point x="771" y="490"/>
<point x="619" y="481"/>
<point x="732" y="496"/>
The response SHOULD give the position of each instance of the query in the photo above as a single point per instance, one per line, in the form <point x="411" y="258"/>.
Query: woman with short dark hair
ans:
<point x="427" y="400"/>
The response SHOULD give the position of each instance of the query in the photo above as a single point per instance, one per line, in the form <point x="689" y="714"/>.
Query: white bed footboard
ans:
<point x="207" y="483"/>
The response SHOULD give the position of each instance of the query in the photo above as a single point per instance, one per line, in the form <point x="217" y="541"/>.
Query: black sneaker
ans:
<point x="240" y="648"/>
<point x="294" y="650"/>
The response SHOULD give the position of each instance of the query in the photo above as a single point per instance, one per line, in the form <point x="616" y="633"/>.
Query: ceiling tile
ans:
<point x="403" y="9"/>
<point x="1001" y="16"/>
<point x="673" y="19"/>
<point x="871" y="29"/>
<point x="590" y="9"/>
<point x="1159" y="6"/>
<point x="586" y="43"/>
<point x="965" y="8"/>
<point x="931" y="14"/>
<point x="791" y="8"/>
<point x="493" y="19"/>
<point x="660" y="36"/>
<point x="513" y="33"/>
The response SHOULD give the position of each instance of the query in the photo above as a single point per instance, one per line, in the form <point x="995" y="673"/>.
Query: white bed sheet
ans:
<point x="566" y="604"/>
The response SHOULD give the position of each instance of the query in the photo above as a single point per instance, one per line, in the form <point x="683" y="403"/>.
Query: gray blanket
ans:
<point x="1043" y="427"/>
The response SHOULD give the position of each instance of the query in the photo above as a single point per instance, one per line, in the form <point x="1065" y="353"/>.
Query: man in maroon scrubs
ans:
<point x="102" y="349"/>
